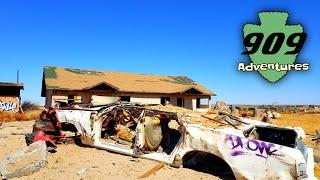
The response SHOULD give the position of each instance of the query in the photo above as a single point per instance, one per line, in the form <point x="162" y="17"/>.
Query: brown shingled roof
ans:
<point x="58" y="78"/>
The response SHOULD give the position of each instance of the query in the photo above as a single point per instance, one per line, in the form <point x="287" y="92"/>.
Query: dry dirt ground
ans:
<point x="75" y="162"/>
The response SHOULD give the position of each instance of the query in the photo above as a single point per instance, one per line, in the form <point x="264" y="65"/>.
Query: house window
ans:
<point x="180" y="102"/>
<point x="125" y="98"/>
<point x="70" y="99"/>
<point x="164" y="100"/>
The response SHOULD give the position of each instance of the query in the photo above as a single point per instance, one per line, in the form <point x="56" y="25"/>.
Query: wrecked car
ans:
<point x="248" y="150"/>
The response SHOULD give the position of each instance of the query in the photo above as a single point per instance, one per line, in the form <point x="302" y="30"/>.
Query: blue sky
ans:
<point x="200" y="39"/>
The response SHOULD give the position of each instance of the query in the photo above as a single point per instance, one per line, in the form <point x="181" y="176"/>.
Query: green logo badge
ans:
<point x="273" y="46"/>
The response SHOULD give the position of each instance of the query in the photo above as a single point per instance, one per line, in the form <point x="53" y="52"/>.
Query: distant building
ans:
<point x="10" y="96"/>
<point x="78" y="86"/>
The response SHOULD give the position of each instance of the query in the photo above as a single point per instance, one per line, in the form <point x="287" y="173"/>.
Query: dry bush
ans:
<point x="31" y="111"/>
<point x="29" y="106"/>
<point x="6" y="116"/>
<point x="27" y="116"/>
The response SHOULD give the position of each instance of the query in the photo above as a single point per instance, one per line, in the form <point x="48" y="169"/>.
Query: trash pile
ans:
<point x="252" y="112"/>
<point x="222" y="106"/>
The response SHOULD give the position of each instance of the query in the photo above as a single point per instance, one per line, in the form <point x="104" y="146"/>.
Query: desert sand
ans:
<point x="74" y="162"/>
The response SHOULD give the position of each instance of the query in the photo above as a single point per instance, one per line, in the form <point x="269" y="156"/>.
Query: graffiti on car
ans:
<point x="241" y="146"/>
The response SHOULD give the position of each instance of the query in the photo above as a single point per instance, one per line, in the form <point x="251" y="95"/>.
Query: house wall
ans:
<point x="144" y="98"/>
<point x="9" y="104"/>
<point x="49" y="99"/>
<point x="190" y="101"/>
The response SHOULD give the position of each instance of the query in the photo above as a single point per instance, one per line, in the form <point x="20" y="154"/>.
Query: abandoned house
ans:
<point x="78" y="86"/>
<point x="10" y="96"/>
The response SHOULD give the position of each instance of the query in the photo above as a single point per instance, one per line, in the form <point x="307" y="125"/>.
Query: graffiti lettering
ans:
<point x="241" y="146"/>
<point x="7" y="106"/>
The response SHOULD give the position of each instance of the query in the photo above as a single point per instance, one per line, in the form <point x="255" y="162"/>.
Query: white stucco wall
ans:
<point x="194" y="104"/>
<point x="146" y="100"/>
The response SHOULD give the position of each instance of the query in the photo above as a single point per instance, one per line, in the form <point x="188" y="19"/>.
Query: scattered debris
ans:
<point x="276" y="115"/>
<point x="317" y="158"/>
<point x="17" y="134"/>
<point x="81" y="171"/>
<point x="266" y="119"/>
<point x="152" y="170"/>
<point x="273" y="115"/>
<point x="221" y="106"/>
<point x="134" y="160"/>
<point x="235" y="111"/>
<point x="258" y="113"/>
<point x="269" y="114"/>
<point x="41" y="136"/>
<point x="263" y="115"/>
<point x="21" y="163"/>
<point x="317" y="136"/>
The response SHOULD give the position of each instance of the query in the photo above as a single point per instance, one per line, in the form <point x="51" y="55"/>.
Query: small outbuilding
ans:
<point x="69" y="85"/>
<point x="10" y="100"/>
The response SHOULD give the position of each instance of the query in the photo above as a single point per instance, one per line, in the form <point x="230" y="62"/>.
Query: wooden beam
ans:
<point x="152" y="170"/>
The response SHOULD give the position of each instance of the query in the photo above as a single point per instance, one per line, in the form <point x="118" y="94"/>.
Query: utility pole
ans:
<point x="18" y="76"/>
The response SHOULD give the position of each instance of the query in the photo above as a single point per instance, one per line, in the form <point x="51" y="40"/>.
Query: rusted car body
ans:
<point x="252" y="150"/>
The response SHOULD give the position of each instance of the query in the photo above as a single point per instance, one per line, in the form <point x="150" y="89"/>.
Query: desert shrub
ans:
<point x="29" y="106"/>
<point x="26" y="116"/>
<point x="6" y="116"/>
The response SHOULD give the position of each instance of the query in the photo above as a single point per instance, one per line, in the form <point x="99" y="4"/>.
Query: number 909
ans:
<point x="254" y="40"/>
